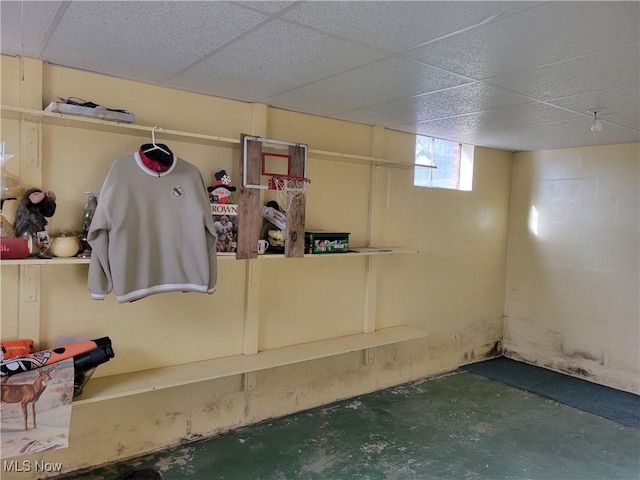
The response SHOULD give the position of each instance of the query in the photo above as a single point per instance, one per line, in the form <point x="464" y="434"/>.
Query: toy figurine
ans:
<point x="31" y="215"/>
<point x="221" y="190"/>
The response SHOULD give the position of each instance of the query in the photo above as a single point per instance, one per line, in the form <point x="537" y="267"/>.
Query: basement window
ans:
<point x="443" y="164"/>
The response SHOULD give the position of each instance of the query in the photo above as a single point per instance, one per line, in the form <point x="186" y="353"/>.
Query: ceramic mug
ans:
<point x="262" y="246"/>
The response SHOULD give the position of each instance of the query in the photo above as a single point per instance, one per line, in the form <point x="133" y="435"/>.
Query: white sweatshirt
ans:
<point x="152" y="232"/>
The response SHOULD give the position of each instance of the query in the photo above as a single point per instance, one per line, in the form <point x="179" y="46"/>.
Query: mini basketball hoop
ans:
<point x="286" y="172"/>
<point x="288" y="189"/>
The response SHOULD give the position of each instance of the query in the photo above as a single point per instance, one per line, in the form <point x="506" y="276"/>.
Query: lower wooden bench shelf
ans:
<point x="115" y="386"/>
<point x="35" y="261"/>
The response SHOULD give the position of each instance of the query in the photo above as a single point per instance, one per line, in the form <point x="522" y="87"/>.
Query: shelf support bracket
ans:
<point x="249" y="380"/>
<point x="369" y="356"/>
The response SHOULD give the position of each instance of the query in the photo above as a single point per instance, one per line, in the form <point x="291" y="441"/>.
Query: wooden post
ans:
<point x="249" y="219"/>
<point x="294" y="245"/>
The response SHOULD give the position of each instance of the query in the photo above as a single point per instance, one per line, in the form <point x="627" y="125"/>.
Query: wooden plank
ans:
<point x="370" y="295"/>
<point x="60" y="119"/>
<point x="115" y="386"/>
<point x="67" y="261"/>
<point x="294" y="246"/>
<point x="252" y="308"/>
<point x="29" y="306"/>
<point x="249" y="219"/>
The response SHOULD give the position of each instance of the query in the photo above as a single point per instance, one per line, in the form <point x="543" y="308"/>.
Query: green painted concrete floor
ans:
<point x="457" y="426"/>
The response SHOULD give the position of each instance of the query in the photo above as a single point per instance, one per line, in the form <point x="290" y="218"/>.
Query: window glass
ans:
<point x="443" y="164"/>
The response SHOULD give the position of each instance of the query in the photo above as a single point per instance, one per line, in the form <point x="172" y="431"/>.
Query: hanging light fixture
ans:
<point x="596" y="126"/>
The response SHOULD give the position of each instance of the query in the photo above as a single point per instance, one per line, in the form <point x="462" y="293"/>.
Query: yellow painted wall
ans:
<point x="456" y="292"/>
<point x="572" y="300"/>
<point x="453" y="289"/>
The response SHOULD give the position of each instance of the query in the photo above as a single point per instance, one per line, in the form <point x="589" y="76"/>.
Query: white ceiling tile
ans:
<point x="576" y="126"/>
<point x="145" y="41"/>
<point x="551" y="32"/>
<point x="375" y="83"/>
<point x="553" y="135"/>
<point x="602" y="71"/>
<point x="629" y="118"/>
<point x="542" y="64"/>
<point x="276" y="57"/>
<point x="269" y="7"/>
<point x="395" y="26"/>
<point x="461" y="100"/>
<point x="24" y="22"/>
<point x="507" y="117"/>
<point x="620" y="103"/>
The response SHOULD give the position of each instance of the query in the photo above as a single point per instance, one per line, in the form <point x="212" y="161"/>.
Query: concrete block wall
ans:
<point x="572" y="298"/>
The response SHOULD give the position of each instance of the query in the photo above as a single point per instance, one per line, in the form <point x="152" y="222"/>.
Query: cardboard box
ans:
<point x="326" y="242"/>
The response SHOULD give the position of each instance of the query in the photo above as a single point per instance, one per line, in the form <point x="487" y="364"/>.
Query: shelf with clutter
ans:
<point x="24" y="239"/>
<point x="249" y="207"/>
<point x="65" y="119"/>
<point x="356" y="252"/>
<point x="272" y="316"/>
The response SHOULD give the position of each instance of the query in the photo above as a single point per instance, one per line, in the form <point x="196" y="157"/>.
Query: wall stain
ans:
<point x="495" y="351"/>
<point x="577" y="371"/>
<point x="578" y="354"/>
<point x="172" y="416"/>
<point x="569" y="369"/>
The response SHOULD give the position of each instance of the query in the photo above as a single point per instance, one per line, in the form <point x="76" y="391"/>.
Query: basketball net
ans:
<point x="288" y="190"/>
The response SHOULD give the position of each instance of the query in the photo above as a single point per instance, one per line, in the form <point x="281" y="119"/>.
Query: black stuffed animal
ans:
<point x="34" y="206"/>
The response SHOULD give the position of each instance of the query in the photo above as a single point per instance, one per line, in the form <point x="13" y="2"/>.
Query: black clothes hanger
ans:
<point x="157" y="152"/>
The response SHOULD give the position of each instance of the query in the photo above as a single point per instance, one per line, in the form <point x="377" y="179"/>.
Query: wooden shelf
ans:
<point x="350" y="158"/>
<point x="267" y="256"/>
<point x="115" y="386"/>
<point x="393" y="251"/>
<point x="54" y="118"/>
<point x="46" y="261"/>
<point x="123" y="385"/>
<point x="69" y="261"/>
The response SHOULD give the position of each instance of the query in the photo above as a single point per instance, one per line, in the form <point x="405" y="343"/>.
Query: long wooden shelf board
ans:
<point x="268" y="256"/>
<point x="394" y="251"/>
<point x="54" y="118"/>
<point x="68" y="261"/>
<point x="46" y="261"/>
<point x="115" y="386"/>
<point x="352" y="158"/>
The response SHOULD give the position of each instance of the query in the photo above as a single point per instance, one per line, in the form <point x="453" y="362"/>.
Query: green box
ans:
<point x="326" y="242"/>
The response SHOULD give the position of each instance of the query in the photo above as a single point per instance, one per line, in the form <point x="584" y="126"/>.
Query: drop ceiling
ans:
<point x="511" y="75"/>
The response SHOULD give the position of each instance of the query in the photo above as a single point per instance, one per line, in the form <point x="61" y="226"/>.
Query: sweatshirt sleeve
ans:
<point x="213" y="267"/>
<point x="212" y="238"/>
<point x="100" y="282"/>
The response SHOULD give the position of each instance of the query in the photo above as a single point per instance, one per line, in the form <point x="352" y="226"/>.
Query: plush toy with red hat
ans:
<point x="221" y="190"/>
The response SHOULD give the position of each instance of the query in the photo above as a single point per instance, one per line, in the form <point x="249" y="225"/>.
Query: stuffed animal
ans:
<point x="221" y="190"/>
<point x="31" y="215"/>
